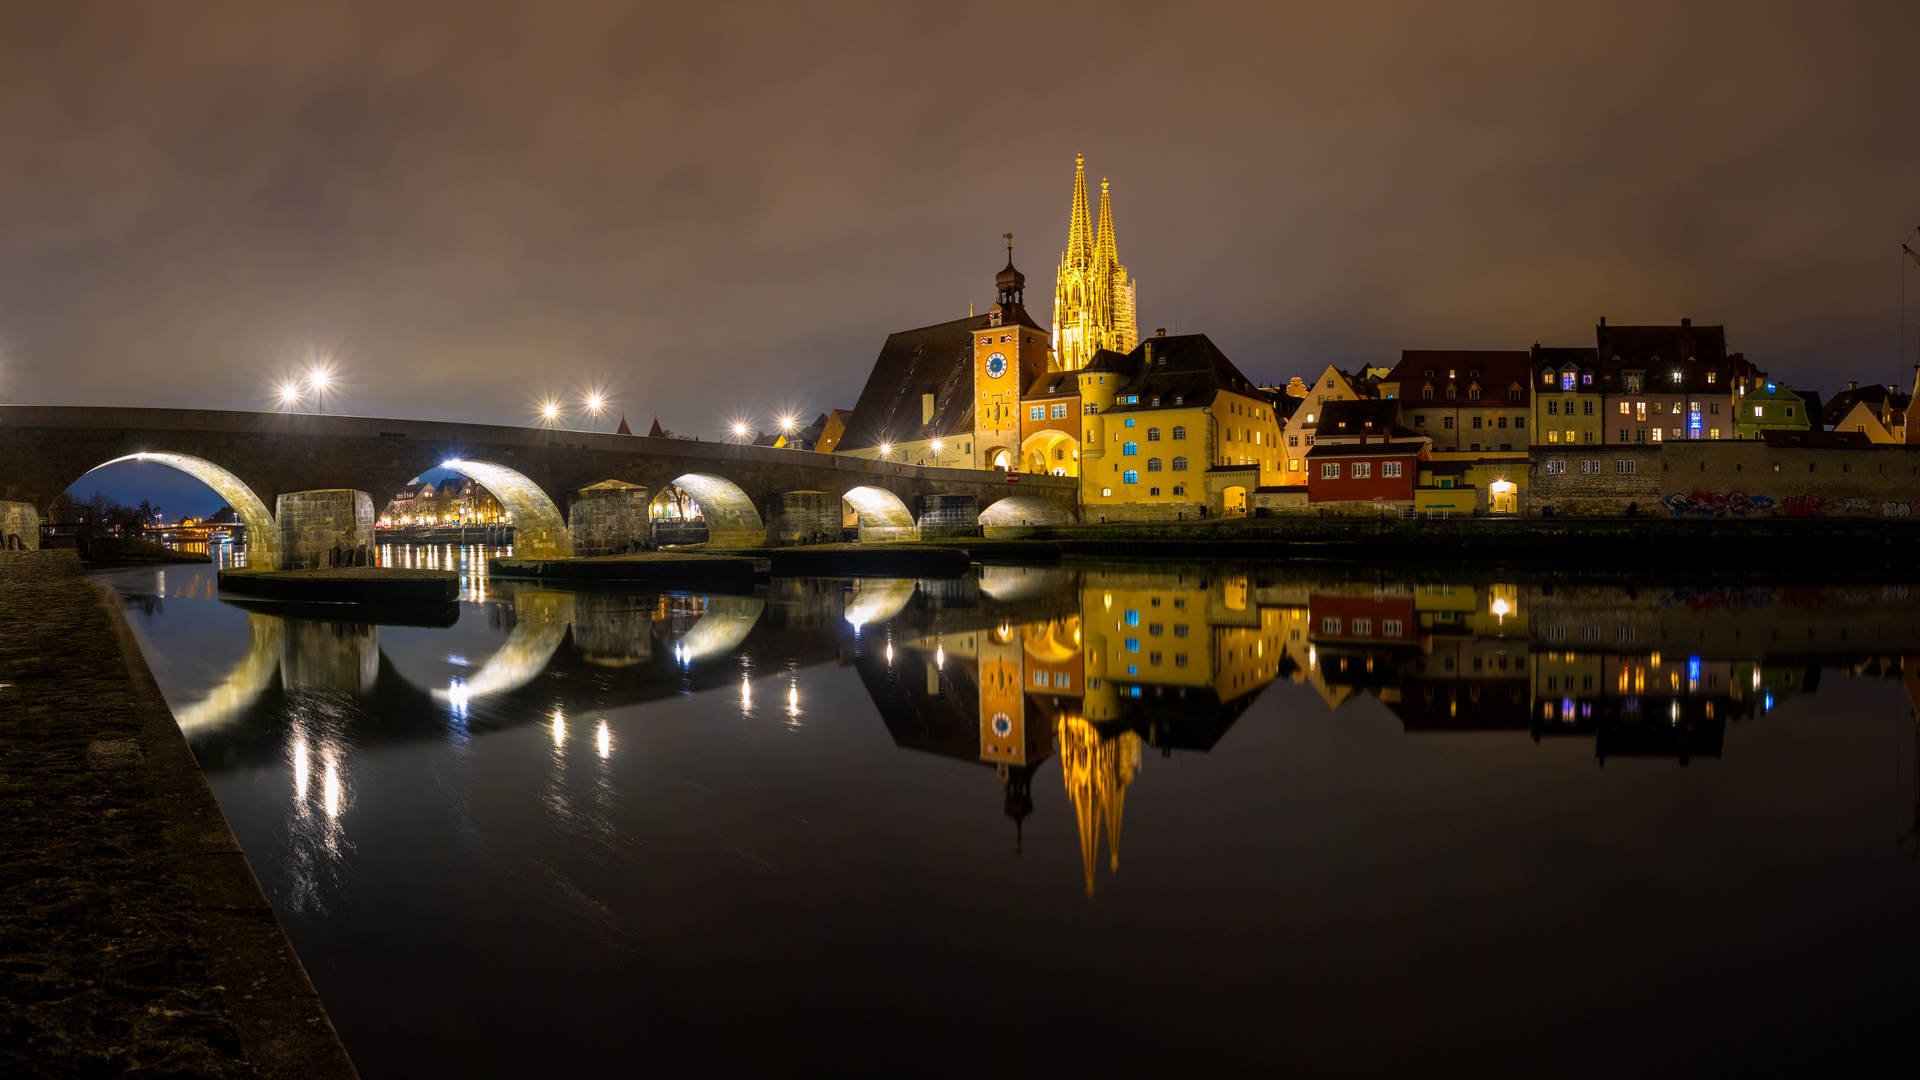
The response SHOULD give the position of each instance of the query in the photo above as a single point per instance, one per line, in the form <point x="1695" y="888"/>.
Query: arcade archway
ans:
<point x="539" y="530"/>
<point x="1053" y="452"/>
<point x="732" y="520"/>
<point x="1024" y="510"/>
<point x="882" y="515"/>
<point x="263" y="538"/>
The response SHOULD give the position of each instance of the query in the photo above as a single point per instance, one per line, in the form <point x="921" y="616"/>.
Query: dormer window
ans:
<point x="1547" y="377"/>
<point x="1631" y="380"/>
<point x="1450" y="392"/>
<point x="1474" y="374"/>
<point x="1429" y="373"/>
<point x="1179" y="399"/>
<point x="1426" y="393"/>
<point x="1709" y="378"/>
<point x="1473" y="393"/>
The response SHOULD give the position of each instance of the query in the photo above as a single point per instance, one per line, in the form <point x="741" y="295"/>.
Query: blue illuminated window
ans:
<point x="1133" y="644"/>
<point x="1130" y="448"/>
<point x="1133" y="618"/>
<point x="1129" y="421"/>
<point x="1130" y="477"/>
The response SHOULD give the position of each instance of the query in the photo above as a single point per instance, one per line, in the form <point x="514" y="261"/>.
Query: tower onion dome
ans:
<point x="1011" y="283"/>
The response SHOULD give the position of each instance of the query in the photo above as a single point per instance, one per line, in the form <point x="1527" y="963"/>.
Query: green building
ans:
<point x="1761" y="405"/>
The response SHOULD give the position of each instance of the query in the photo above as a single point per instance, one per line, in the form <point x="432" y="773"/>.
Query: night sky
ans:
<point x="720" y="210"/>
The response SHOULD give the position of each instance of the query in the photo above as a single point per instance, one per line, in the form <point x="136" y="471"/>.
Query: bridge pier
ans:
<point x="608" y="518"/>
<point x="312" y="523"/>
<point x="799" y="517"/>
<point x="19" y="526"/>
<point x="949" y="515"/>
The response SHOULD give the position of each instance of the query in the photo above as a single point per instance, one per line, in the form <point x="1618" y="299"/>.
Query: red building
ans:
<point x="1380" y="469"/>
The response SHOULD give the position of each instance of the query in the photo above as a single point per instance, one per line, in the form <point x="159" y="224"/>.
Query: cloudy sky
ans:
<point x="720" y="210"/>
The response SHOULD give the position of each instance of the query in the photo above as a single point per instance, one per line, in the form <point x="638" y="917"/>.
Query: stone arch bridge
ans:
<point x="303" y="482"/>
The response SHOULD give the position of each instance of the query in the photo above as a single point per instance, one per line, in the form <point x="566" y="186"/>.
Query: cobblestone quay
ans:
<point x="134" y="939"/>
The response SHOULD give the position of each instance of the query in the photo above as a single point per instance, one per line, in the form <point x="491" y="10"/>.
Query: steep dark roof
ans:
<point x="1640" y="346"/>
<point x="1053" y="384"/>
<point x="935" y="360"/>
<point x="1352" y="419"/>
<point x="1494" y="370"/>
<point x="1842" y="403"/>
<point x="1187" y="367"/>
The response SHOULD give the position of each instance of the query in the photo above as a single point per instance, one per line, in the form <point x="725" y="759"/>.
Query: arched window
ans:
<point x="1153" y="434"/>
<point x="1130" y="449"/>
<point x="1179" y="431"/>
<point x="1130" y="477"/>
<point x="1179" y="464"/>
<point x="1153" y="464"/>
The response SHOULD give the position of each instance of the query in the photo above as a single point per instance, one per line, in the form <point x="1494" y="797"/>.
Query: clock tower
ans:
<point x="1009" y="352"/>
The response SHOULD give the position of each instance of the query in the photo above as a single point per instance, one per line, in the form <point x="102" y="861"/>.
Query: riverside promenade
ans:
<point x="134" y="938"/>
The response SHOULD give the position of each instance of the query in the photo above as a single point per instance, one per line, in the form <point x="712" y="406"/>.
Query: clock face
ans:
<point x="996" y="365"/>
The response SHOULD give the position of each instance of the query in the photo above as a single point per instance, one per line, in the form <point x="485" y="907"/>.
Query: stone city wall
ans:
<point x="1731" y="479"/>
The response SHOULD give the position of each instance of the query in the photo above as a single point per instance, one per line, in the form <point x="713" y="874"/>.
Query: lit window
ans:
<point x="1107" y="492"/>
<point x="1059" y="411"/>
<point x="1757" y="410"/>
<point x="1038" y="412"/>
<point x="1130" y="477"/>
<point x="1133" y="644"/>
<point x="1133" y="618"/>
<point x="1129" y="421"/>
<point x="1129" y="449"/>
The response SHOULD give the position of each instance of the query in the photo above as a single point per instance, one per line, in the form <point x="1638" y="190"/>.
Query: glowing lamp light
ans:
<point x="885" y="449"/>
<point x="550" y="411"/>
<point x="938" y="446"/>
<point x="788" y="423"/>
<point x="289" y="393"/>
<point x="1500" y="608"/>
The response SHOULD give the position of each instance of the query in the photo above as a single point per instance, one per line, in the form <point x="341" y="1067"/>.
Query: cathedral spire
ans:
<point x="1080" y="233"/>
<point x="1105" y="255"/>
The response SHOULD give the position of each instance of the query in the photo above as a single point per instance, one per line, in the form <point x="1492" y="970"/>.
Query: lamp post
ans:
<point x="595" y="403"/>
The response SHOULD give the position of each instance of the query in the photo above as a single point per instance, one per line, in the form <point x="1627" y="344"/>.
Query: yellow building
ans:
<point x="1173" y="431"/>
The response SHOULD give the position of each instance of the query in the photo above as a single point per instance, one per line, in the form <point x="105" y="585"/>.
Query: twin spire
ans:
<point x="1093" y="304"/>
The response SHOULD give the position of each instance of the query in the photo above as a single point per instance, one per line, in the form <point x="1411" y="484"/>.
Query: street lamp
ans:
<point x="788" y="424"/>
<point x="936" y="448"/>
<point x="289" y="394"/>
<point x="595" y="403"/>
<point x="549" y="412"/>
<point x="739" y="430"/>
<point x="885" y="449"/>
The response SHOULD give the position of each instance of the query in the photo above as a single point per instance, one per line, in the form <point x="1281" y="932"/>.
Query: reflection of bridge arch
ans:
<point x="732" y="520"/>
<point x="540" y="624"/>
<point x="883" y="516"/>
<point x="539" y="532"/>
<point x="263" y="539"/>
<point x="1025" y="510"/>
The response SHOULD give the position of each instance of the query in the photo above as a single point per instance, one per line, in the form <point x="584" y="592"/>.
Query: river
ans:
<point x="1136" y="819"/>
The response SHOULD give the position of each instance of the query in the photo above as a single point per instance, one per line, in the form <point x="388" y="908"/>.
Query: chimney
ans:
<point x="926" y="408"/>
<point x="1162" y="332"/>
<point x="1852" y="385"/>
<point x="1603" y="322"/>
<point x="1686" y="322"/>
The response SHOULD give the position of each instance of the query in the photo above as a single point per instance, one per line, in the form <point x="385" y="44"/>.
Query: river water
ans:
<point x="1136" y="819"/>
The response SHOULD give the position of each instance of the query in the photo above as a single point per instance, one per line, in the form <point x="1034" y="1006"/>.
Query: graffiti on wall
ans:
<point x="1716" y="504"/>
<point x="1739" y="504"/>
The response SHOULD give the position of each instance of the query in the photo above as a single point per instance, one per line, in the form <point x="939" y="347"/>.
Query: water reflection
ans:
<point x="1014" y="668"/>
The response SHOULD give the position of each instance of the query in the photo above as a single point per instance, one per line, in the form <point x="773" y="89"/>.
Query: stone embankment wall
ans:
<point x="1729" y="479"/>
<point x="19" y="527"/>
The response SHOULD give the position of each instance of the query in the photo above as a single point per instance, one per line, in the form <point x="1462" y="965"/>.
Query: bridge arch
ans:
<point x="883" y="516"/>
<point x="1017" y="510"/>
<point x="539" y="530"/>
<point x="732" y="520"/>
<point x="263" y="537"/>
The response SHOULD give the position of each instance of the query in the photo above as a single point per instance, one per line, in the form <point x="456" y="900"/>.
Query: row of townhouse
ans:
<point x="1638" y="385"/>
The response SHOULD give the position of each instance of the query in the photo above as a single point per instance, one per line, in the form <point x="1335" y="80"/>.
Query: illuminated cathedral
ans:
<point x="1093" y="295"/>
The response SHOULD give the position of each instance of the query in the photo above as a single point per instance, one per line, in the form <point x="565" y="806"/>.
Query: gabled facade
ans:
<point x="1470" y="401"/>
<point x="1668" y="383"/>
<point x="1568" y="403"/>
<point x="1762" y="405"/>
<point x="1297" y="436"/>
